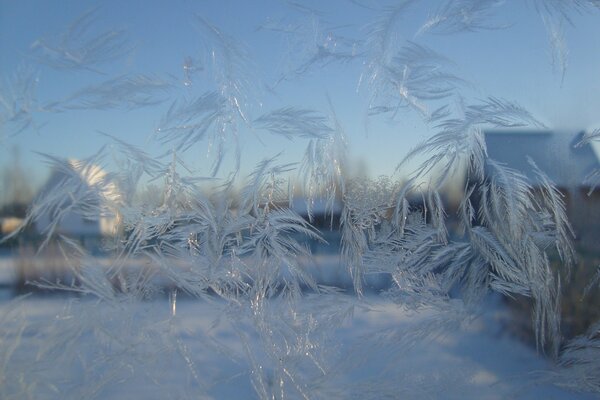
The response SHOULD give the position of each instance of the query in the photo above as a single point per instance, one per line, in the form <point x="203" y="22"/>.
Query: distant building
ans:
<point x="81" y="202"/>
<point x="567" y="165"/>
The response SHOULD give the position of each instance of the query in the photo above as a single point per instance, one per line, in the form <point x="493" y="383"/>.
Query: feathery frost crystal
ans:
<point x="238" y="242"/>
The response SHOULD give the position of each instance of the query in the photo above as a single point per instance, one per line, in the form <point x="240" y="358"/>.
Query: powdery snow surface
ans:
<point x="208" y="349"/>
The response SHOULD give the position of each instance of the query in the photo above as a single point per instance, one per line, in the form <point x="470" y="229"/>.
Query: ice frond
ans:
<point x="558" y="44"/>
<point x="231" y="69"/>
<point x="330" y="49"/>
<point x="466" y="210"/>
<point x="132" y="163"/>
<point x="417" y="76"/>
<point x="461" y="140"/>
<point x="382" y="42"/>
<point x="322" y="168"/>
<point x="555" y="14"/>
<point x="293" y="354"/>
<point x="381" y="33"/>
<point x="265" y="186"/>
<point x="354" y="246"/>
<point x="81" y="46"/>
<point x="304" y="9"/>
<point x="439" y="113"/>
<point x="18" y="102"/>
<point x="414" y="53"/>
<point x="188" y="122"/>
<point x="514" y="268"/>
<point x="366" y="205"/>
<point x="505" y="253"/>
<point x="563" y="9"/>
<point x="501" y="260"/>
<point x="128" y="92"/>
<point x="500" y="113"/>
<point x="507" y="198"/>
<point x="147" y="163"/>
<point x="273" y="235"/>
<point x="415" y="292"/>
<point x="311" y="42"/>
<point x="295" y="122"/>
<point x="508" y="210"/>
<point x="457" y="16"/>
<point x="446" y="152"/>
<point x="438" y="214"/>
<point x="578" y="367"/>
<point x="552" y="200"/>
<point x="231" y="64"/>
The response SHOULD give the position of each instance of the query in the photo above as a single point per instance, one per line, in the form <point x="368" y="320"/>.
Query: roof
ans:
<point x="554" y="152"/>
<point x="92" y="185"/>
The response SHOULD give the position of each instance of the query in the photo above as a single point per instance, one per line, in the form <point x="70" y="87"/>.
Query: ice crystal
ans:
<point x="18" y="101"/>
<point x="127" y="92"/>
<point x="242" y="246"/>
<point x="80" y="47"/>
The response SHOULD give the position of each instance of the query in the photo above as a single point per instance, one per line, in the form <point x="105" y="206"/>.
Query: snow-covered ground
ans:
<point x="58" y="347"/>
<point x="173" y="346"/>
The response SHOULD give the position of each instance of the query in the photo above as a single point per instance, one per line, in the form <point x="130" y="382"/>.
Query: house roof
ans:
<point x="554" y="152"/>
<point x="89" y="183"/>
<point x="88" y="175"/>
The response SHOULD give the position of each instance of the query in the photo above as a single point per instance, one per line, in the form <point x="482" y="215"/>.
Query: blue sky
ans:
<point x="513" y="62"/>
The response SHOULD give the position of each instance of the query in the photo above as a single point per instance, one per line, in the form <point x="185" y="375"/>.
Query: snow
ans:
<point x="180" y="347"/>
<point x="188" y="348"/>
<point x="201" y="354"/>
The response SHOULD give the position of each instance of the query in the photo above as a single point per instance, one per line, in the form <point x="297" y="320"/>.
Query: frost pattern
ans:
<point x="18" y="101"/>
<point x="241" y="248"/>
<point x="80" y="46"/>
<point x="129" y="92"/>
<point x="461" y="16"/>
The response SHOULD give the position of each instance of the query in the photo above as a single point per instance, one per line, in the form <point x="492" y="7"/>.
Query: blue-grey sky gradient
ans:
<point x="512" y="61"/>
